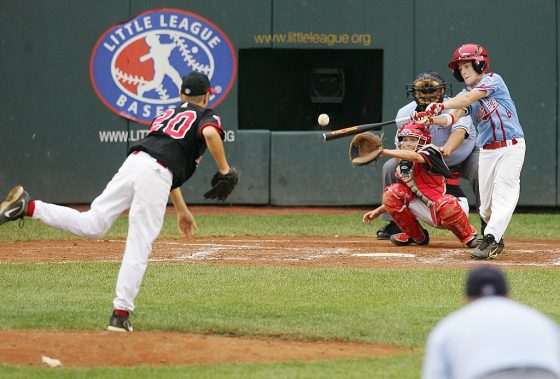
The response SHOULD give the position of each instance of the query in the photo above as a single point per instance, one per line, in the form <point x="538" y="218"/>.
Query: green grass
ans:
<point x="402" y="367"/>
<point x="389" y="306"/>
<point x="341" y="304"/>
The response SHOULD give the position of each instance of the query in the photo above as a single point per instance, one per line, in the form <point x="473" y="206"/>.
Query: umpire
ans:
<point x="457" y="143"/>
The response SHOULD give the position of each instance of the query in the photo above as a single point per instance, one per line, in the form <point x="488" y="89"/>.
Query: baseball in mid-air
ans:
<point x="323" y="119"/>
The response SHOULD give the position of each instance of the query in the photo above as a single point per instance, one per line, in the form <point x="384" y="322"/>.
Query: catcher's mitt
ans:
<point x="222" y="185"/>
<point x="365" y="148"/>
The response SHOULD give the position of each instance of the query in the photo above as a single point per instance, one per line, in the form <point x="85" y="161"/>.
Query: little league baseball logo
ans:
<point x="136" y="67"/>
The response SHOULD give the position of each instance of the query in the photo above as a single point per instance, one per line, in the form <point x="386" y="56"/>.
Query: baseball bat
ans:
<point x="357" y="129"/>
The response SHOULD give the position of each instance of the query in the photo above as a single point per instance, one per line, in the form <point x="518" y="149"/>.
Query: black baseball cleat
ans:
<point x="488" y="248"/>
<point x="118" y="323"/>
<point x="403" y="239"/>
<point x="501" y="245"/>
<point x="15" y="206"/>
<point x="473" y="243"/>
<point x="388" y="230"/>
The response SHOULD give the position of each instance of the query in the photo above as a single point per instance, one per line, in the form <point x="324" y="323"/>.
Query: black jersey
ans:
<point x="176" y="139"/>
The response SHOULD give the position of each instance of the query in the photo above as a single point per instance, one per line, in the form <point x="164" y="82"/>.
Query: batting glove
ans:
<point x="422" y="117"/>
<point x="435" y="108"/>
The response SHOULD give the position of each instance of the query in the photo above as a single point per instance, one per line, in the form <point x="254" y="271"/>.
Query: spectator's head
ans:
<point x="486" y="281"/>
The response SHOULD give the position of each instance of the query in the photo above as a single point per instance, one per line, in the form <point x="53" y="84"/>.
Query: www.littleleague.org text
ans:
<point x="328" y="39"/>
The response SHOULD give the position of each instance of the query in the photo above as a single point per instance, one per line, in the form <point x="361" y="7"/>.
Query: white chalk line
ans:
<point x="384" y="255"/>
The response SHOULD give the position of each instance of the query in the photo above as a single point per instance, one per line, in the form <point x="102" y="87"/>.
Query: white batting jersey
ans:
<point x="494" y="115"/>
<point x="440" y="134"/>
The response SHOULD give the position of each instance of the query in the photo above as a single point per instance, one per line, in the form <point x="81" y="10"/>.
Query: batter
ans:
<point x="487" y="100"/>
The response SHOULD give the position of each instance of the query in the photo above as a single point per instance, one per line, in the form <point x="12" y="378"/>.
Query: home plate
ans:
<point x="382" y="255"/>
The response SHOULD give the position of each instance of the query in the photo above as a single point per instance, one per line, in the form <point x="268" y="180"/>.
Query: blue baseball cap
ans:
<point x="486" y="281"/>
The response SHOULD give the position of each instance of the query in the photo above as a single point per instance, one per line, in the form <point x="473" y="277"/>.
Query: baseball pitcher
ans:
<point x="154" y="170"/>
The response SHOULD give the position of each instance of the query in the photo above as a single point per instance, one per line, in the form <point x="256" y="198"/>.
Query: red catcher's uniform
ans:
<point x="430" y="192"/>
<point x="429" y="180"/>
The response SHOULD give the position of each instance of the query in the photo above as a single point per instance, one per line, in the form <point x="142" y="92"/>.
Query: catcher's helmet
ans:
<point x="469" y="52"/>
<point x="428" y="87"/>
<point x="418" y="131"/>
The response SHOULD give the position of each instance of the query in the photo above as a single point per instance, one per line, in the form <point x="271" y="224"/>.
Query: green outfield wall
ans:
<point x="64" y="143"/>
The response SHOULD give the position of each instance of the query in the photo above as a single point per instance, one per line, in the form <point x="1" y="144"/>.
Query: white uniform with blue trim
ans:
<point x="495" y="115"/>
<point x="502" y="152"/>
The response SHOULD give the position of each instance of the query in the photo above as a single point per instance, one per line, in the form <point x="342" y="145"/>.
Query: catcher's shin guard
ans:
<point x="447" y="213"/>
<point x="396" y="198"/>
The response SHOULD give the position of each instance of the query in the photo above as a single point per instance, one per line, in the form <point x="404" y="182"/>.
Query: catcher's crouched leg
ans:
<point x="396" y="198"/>
<point x="447" y="213"/>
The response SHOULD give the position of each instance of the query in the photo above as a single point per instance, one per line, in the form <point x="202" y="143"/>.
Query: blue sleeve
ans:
<point x="489" y="83"/>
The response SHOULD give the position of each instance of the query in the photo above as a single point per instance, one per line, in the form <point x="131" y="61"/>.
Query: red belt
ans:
<point x="157" y="160"/>
<point x="453" y="181"/>
<point x="498" y="144"/>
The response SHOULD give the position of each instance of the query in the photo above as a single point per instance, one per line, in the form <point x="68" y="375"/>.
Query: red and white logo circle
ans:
<point x="136" y="68"/>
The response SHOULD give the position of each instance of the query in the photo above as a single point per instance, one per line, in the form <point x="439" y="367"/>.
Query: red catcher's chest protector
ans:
<point x="424" y="184"/>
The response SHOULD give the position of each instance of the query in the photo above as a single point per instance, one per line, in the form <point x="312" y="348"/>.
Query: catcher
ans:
<point x="154" y="170"/>
<point x="426" y="190"/>
<point x="457" y="142"/>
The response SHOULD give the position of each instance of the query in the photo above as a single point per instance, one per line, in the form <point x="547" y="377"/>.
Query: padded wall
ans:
<point x="64" y="144"/>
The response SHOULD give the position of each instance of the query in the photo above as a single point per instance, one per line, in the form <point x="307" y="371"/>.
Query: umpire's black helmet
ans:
<point x="428" y="87"/>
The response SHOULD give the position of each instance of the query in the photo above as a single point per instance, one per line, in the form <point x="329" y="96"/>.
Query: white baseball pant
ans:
<point x="141" y="185"/>
<point x="499" y="171"/>
<point x="422" y="211"/>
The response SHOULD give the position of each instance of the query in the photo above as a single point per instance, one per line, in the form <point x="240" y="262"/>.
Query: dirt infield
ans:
<point x="359" y="252"/>
<point x="97" y="349"/>
<point x="107" y="349"/>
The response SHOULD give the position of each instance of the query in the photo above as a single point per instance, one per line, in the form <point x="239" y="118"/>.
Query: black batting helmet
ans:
<point x="428" y="87"/>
